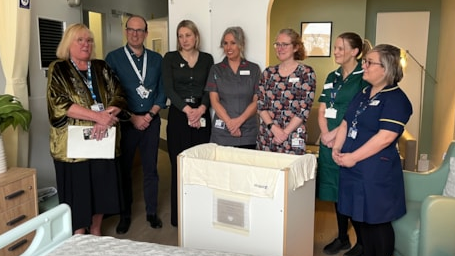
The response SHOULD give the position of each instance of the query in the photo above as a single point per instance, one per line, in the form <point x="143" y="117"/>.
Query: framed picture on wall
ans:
<point x="317" y="38"/>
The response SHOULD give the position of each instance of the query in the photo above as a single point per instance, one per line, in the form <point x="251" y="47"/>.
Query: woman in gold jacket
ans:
<point x="83" y="91"/>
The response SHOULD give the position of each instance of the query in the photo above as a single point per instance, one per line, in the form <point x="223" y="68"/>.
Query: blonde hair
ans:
<point x="191" y="26"/>
<point x="71" y="33"/>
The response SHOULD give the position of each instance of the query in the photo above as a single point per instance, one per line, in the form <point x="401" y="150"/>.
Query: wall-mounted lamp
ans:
<point x="74" y="3"/>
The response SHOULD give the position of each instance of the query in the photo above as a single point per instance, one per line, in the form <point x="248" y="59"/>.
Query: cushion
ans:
<point x="449" y="189"/>
<point x="407" y="230"/>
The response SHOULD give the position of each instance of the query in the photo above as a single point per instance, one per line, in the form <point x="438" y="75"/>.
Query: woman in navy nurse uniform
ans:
<point x="371" y="188"/>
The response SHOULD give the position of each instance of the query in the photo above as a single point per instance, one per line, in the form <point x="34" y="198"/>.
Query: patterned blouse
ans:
<point x="284" y="98"/>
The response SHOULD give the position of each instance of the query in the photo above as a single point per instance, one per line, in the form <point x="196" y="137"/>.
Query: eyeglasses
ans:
<point x="368" y="63"/>
<point x="82" y="41"/>
<point x="139" y="31"/>
<point x="281" y="45"/>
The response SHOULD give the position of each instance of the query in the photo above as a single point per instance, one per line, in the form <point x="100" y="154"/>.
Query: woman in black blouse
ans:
<point x="185" y="74"/>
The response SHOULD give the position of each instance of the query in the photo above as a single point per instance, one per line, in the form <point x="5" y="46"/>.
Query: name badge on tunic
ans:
<point x="330" y="113"/>
<point x="244" y="72"/>
<point x="328" y="86"/>
<point x="293" y="79"/>
<point x="375" y="102"/>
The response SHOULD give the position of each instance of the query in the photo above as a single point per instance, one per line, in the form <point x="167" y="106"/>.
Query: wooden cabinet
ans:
<point x="18" y="203"/>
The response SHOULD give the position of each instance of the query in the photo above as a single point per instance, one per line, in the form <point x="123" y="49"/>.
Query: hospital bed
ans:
<point x="53" y="236"/>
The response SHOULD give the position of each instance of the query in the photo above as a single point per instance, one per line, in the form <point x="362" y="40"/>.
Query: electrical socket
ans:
<point x="423" y="156"/>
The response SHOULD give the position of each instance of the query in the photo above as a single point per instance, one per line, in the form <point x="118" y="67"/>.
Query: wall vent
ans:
<point x="50" y="34"/>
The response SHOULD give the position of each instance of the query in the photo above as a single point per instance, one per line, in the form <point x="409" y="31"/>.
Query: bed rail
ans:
<point x="52" y="228"/>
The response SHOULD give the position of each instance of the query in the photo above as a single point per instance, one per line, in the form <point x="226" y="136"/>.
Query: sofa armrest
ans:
<point x="437" y="226"/>
<point x="407" y="145"/>
<point x="419" y="185"/>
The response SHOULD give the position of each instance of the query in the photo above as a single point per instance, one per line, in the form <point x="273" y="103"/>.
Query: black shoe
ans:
<point x="123" y="225"/>
<point x="337" y="245"/>
<point x="155" y="221"/>
<point x="357" y="250"/>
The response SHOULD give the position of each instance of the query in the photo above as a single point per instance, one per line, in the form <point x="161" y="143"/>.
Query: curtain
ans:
<point x="14" y="55"/>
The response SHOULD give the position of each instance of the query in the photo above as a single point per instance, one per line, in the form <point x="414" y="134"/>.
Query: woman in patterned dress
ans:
<point x="285" y="96"/>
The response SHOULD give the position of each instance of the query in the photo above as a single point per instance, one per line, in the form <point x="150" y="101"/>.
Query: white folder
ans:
<point x="80" y="145"/>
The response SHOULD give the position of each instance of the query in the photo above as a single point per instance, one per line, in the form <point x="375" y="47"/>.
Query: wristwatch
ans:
<point x="151" y="114"/>
<point x="269" y="126"/>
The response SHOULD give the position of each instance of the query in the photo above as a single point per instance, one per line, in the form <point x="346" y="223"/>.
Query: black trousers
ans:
<point x="181" y="136"/>
<point x="147" y="141"/>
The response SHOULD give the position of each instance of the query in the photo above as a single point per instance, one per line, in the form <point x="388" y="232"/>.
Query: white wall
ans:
<point x="188" y="10"/>
<point x="213" y="17"/>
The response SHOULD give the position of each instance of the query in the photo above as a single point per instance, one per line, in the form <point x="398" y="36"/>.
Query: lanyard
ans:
<point x="333" y="93"/>
<point x="144" y="65"/>
<point x="88" y="80"/>
<point x="363" y="107"/>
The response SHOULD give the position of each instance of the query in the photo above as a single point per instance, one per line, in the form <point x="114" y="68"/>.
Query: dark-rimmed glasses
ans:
<point x="368" y="63"/>
<point x="138" y="31"/>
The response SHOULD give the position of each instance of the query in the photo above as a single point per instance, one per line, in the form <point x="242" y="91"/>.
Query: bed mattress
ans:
<point x="88" y="245"/>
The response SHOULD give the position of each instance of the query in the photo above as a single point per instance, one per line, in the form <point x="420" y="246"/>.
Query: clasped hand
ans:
<point x="233" y="126"/>
<point x="194" y="117"/>
<point x="106" y="119"/>
<point x="343" y="159"/>
<point x="280" y="135"/>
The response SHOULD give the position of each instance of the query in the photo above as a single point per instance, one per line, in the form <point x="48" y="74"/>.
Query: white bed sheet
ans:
<point x="89" y="245"/>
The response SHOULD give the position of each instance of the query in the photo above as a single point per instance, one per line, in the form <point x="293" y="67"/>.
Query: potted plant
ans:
<point x="12" y="113"/>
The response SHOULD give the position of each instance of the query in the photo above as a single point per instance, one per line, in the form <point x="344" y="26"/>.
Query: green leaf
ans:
<point x="12" y="113"/>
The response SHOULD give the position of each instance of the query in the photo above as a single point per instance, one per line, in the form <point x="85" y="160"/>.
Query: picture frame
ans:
<point x="317" y="38"/>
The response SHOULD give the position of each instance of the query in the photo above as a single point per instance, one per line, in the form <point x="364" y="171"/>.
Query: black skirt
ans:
<point x="89" y="187"/>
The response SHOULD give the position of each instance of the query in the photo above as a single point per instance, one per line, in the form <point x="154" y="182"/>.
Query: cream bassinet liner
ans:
<point x="244" y="171"/>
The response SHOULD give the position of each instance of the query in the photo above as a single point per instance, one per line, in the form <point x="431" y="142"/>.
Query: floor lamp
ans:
<point x="423" y="71"/>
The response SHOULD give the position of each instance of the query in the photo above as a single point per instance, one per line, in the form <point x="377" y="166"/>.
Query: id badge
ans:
<point x="298" y="143"/>
<point x="98" y="107"/>
<point x="352" y="133"/>
<point x="330" y="113"/>
<point x="202" y="121"/>
<point x="219" y="124"/>
<point x="143" y="93"/>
